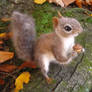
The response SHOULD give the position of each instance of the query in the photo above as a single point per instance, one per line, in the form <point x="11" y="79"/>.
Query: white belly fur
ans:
<point x="68" y="43"/>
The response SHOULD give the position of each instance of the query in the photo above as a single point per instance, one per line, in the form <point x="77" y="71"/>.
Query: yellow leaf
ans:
<point x="22" y="78"/>
<point x="3" y="35"/>
<point x="90" y="14"/>
<point x="39" y="1"/>
<point x="4" y="56"/>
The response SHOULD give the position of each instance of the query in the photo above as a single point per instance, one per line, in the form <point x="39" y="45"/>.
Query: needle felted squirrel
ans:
<point x="52" y="47"/>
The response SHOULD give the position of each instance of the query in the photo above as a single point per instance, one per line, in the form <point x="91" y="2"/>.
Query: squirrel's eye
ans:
<point x="68" y="28"/>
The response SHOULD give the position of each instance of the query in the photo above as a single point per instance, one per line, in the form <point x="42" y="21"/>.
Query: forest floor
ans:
<point x="75" y="77"/>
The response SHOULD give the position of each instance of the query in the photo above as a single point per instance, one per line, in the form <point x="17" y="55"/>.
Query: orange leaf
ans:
<point x="1" y="81"/>
<point x="79" y="3"/>
<point x="28" y="64"/>
<point x="4" y="56"/>
<point x="7" y="68"/>
<point x="6" y="19"/>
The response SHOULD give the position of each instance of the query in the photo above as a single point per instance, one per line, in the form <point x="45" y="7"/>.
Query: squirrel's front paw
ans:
<point x="74" y="54"/>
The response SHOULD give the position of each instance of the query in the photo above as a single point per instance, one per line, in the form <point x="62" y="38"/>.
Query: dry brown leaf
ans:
<point x="28" y="64"/>
<point x="58" y="2"/>
<point x="62" y="3"/>
<point x="6" y="19"/>
<point x="79" y="3"/>
<point x="67" y="2"/>
<point x="4" y="56"/>
<point x="7" y="68"/>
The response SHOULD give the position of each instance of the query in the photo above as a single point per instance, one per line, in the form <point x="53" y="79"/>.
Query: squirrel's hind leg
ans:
<point x="44" y="65"/>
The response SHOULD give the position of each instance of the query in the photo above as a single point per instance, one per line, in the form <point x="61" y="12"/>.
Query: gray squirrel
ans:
<point x="52" y="47"/>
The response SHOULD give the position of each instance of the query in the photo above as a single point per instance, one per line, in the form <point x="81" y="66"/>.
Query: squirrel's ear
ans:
<point x="55" y="21"/>
<point x="59" y="14"/>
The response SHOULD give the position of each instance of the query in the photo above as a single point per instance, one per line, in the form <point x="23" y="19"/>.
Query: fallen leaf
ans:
<point x="62" y="3"/>
<point x="28" y="64"/>
<point x="4" y="56"/>
<point x="91" y="15"/>
<point x="6" y="35"/>
<point x="22" y="78"/>
<point x="79" y="3"/>
<point x="58" y="2"/>
<point x="88" y="2"/>
<point x="67" y="2"/>
<point x="1" y="81"/>
<point x="39" y="1"/>
<point x="6" y="19"/>
<point x="3" y="35"/>
<point x="7" y="68"/>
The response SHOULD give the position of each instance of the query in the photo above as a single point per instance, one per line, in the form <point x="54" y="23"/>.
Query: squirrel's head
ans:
<point x="66" y="27"/>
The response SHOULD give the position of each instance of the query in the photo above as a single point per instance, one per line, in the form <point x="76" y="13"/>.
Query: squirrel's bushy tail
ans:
<point x="24" y="35"/>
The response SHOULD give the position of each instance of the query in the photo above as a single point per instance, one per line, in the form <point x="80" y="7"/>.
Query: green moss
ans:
<point x="43" y="15"/>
